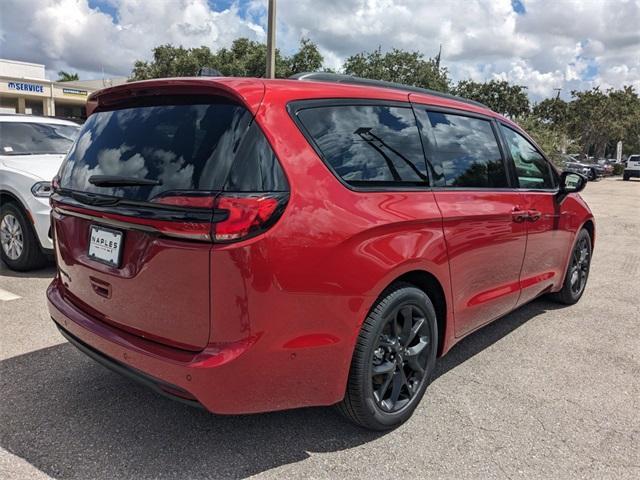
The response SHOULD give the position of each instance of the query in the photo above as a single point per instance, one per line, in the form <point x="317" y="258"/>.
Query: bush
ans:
<point x="618" y="168"/>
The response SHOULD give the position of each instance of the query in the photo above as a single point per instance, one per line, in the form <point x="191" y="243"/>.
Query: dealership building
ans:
<point x="25" y="89"/>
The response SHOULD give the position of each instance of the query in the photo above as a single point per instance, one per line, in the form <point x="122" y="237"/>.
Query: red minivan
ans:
<point x="249" y="245"/>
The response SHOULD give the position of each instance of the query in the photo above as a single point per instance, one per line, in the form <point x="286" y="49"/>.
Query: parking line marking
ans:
<point x="6" y="296"/>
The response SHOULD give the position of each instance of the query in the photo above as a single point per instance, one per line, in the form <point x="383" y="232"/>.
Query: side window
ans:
<point x="461" y="151"/>
<point x="368" y="145"/>
<point x="532" y="169"/>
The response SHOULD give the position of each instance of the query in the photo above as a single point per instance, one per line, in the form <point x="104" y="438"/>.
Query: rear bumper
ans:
<point x="259" y="373"/>
<point x="160" y="387"/>
<point x="191" y="377"/>
<point x="632" y="173"/>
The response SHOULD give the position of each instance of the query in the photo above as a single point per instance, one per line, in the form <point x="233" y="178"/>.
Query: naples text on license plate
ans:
<point x="105" y="245"/>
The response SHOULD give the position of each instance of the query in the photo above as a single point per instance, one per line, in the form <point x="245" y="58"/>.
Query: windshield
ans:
<point x="27" y="138"/>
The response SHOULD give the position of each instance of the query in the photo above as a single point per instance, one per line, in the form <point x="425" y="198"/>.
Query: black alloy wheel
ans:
<point x="399" y="360"/>
<point x="577" y="273"/>
<point x="393" y="359"/>
<point x="579" y="267"/>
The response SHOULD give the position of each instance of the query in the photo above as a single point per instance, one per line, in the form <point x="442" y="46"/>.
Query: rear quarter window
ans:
<point x="368" y="145"/>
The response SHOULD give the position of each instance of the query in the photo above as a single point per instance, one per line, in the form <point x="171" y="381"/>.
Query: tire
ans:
<point x="625" y="178"/>
<point x="578" y="270"/>
<point x="399" y="338"/>
<point x="592" y="175"/>
<point x="19" y="247"/>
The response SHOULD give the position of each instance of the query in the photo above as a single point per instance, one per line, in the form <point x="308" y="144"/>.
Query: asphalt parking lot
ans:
<point x="546" y="392"/>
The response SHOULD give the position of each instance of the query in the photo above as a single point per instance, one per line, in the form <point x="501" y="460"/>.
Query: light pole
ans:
<point x="271" y="40"/>
<point x="558" y="94"/>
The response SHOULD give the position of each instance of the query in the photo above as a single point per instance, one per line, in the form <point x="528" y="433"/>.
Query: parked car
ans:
<point x="250" y="245"/>
<point x="579" y="167"/>
<point x="589" y="170"/>
<point x="606" y="166"/>
<point x="31" y="151"/>
<point x="632" y="169"/>
<point x="601" y="169"/>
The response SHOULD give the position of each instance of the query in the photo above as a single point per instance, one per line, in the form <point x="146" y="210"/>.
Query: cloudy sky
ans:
<point x="543" y="44"/>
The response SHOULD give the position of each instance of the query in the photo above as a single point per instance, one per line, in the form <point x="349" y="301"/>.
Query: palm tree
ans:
<point x="67" y="77"/>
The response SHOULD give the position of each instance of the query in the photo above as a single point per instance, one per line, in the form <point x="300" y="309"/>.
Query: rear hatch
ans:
<point x="147" y="188"/>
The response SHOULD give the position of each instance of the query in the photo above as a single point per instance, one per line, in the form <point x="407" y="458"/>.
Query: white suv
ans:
<point x="31" y="151"/>
<point x="633" y="167"/>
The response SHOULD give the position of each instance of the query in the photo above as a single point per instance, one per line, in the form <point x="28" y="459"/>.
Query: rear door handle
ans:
<point x="518" y="215"/>
<point x="533" y="215"/>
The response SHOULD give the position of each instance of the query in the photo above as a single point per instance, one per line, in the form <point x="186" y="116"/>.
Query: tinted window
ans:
<point x="256" y="167"/>
<point x="462" y="151"/>
<point x="532" y="169"/>
<point x="186" y="147"/>
<point x="17" y="138"/>
<point x="366" y="145"/>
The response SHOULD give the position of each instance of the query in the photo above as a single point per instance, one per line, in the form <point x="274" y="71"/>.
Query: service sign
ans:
<point x="26" y="87"/>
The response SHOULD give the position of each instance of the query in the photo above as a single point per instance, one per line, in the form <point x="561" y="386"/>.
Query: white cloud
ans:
<point x="68" y="34"/>
<point x="539" y="84"/>
<point x="568" y="44"/>
<point x="562" y="43"/>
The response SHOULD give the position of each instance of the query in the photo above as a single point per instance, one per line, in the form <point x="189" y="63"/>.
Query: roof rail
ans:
<point x="350" y="79"/>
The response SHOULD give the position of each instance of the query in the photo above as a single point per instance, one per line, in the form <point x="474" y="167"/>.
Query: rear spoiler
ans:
<point x="247" y="91"/>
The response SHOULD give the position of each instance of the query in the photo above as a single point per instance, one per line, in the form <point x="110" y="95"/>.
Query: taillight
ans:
<point x="247" y="214"/>
<point x="187" y="230"/>
<point x="193" y="230"/>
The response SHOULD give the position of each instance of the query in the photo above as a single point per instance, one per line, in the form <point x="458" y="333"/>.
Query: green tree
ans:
<point x="600" y="119"/>
<point x="587" y="121"/>
<point x="499" y="95"/>
<point x="552" y="111"/>
<point x="623" y="111"/>
<point x="67" y="76"/>
<point x="245" y="58"/>
<point x="409" y="68"/>
<point x="307" y="59"/>
<point x="170" y="61"/>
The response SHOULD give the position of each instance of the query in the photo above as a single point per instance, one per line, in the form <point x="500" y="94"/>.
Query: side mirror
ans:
<point x="572" y="182"/>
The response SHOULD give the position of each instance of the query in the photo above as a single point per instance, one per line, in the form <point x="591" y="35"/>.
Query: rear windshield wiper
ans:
<point x="118" y="181"/>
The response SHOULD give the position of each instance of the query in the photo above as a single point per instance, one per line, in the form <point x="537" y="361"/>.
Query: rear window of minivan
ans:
<point x="187" y="147"/>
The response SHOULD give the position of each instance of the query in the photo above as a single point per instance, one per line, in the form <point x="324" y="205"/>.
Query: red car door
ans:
<point x="484" y="222"/>
<point x="548" y="239"/>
